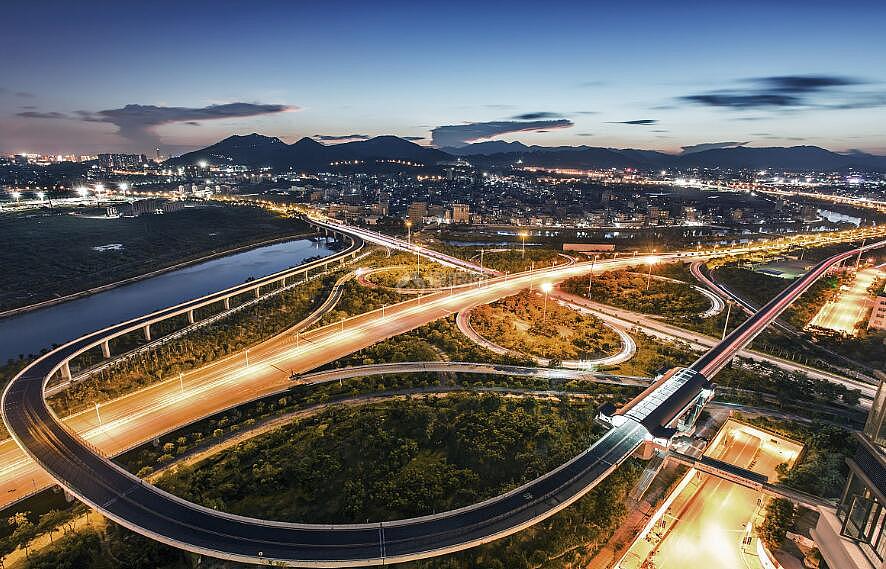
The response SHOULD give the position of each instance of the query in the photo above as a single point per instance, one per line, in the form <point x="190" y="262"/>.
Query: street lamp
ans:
<point x="545" y="288"/>
<point x="16" y="196"/>
<point x="726" y="324"/>
<point x="650" y="261"/>
<point x="523" y="236"/>
<point x="409" y="232"/>
<point x="591" y="276"/>
<point x="82" y="191"/>
<point x="123" y="186"/>
<point x="41" y="196"/>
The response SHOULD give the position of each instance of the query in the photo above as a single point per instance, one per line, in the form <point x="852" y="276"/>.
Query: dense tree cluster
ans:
<point x="627" y="289"/>
<point x="822" y="468"/>
<point x="390" y="460"/>
<point x="522" y="324"/>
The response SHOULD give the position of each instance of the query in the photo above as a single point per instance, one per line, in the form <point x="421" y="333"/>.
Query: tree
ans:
<point x="780" y="515"/>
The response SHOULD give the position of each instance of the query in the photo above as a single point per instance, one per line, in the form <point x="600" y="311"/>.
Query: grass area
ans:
<point x="431" y="275"/>
<point x="53" y="255"/>
<point x="522" y="323"/>
<point x="758" y="289"/>
<point x="434" y="341"/>
<point x="357" y="299"/>
<point x="654" y="356"/>
<point x="627" y="289"/>
<point x="510" y="260"/>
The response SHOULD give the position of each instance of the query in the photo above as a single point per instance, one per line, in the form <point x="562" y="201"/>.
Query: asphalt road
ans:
<point x="143" y="508"/>
<point x="142" y="416"/>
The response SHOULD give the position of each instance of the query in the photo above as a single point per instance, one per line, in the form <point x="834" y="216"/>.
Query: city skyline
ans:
<point x="90" y="80"/>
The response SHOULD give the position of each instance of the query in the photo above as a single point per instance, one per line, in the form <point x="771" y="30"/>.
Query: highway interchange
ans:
<point x="81" y="469"/>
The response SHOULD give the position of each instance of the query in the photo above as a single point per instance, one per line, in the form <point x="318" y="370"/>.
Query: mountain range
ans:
<point x="307" y="154"/>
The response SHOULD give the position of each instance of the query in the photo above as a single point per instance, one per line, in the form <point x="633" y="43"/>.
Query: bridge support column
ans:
<point x="147" y="331"/>
<point x="227" y="303"/>
<point x="106" y="349"/>
<point x="66" y="371"/>
<point x="257" y="292"/>
<point x="646" y="451"/>
<point x="190" y="316"/>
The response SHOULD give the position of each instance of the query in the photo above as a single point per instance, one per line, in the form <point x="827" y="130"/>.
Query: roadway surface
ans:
<point x="141" y="507"/>
<point x="698" y="535"/>
<point x="658" y="329"/>
<point x="144" y="415"/>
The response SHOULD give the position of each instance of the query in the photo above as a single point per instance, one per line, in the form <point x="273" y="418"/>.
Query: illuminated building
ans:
<point x="862" y="507"/>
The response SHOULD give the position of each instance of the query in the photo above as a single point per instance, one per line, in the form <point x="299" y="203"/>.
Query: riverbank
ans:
<point x="57" y="254"/>
<point x="154" y="273"/>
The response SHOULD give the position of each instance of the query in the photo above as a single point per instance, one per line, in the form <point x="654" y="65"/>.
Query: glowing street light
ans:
<point x="82" y="191"/>
<point x="651" y="261"/>
<point x="591" y="276"/>
<point x="99" y="188"/>
<point x="16" y="196"/>
<point x="41" y="196"/>
<point x="202" y="164"/>
<point x="409" y="232"/>
<point x="123" y="186"/>
<point x="523" y="236"/>
<point x="546" y="288"/>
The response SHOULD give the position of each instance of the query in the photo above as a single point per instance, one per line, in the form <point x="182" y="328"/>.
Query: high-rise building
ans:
<point x="417" y="211"/>
<point x="862" y="507"/>
<point x="878" y="314"/>
<point x="461" y="213"/>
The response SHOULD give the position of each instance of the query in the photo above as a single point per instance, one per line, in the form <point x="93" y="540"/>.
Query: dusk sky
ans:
<point x="85" y="77"/>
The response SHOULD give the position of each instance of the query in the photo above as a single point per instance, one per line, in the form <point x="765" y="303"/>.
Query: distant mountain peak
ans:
<point x="307" y="141"/>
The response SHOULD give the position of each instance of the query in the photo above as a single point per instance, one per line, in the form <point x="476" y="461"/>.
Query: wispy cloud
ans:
<point x="640" y="122"/>
<point x="538" y="115"/>
<point x="462" y="134"/>
<point x="137" y="122"/>
<point x="341" y="137"/>
<point x="42" y="115"/>
<point x="20" y="94"/>
<point x="790" y="92"/>
<point x="711" y="146"/>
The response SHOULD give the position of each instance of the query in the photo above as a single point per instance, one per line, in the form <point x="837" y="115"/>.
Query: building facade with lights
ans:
<point x="862" y="507"/>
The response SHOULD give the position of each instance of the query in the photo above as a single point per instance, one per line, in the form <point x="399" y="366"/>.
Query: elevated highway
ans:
<point x="135" y="504"/>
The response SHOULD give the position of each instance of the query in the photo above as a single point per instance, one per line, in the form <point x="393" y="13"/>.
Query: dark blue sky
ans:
<point x="641" y="74"/>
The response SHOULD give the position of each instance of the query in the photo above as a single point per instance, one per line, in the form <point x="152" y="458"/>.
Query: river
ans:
<point x="30" y="332"/>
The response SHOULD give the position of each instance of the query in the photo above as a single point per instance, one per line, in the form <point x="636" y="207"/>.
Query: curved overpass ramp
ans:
<point x="145" y="509"/>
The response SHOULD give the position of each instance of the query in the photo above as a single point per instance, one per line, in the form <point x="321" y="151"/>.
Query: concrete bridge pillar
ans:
<point x="257" y="291"/>
<point x="646" y="450"/>
<point x="106" y="349"/>
<point x="227" y="303"/>
<point x="147" y="330"/>
<point x="66" y="371"/>
<point x="190" y="316"/>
